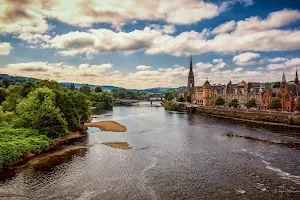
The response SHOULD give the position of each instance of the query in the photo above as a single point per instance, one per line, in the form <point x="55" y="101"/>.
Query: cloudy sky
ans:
<point x="142" y="44"/>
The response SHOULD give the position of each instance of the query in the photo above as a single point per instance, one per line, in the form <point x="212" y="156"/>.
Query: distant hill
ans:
<point x="158" y="90"/>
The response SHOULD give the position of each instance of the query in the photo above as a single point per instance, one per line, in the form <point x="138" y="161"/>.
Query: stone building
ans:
<point x="204" y="95"/>
<point x="243" y="92"/>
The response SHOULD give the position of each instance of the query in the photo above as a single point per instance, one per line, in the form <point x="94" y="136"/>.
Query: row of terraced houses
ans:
<point x="206" y="95"/>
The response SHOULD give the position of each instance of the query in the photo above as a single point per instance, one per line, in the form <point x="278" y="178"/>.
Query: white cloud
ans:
<point x="218" y="64"/>
<point x="5" y="48"/>
<point x="276" y="60"/>
<point x="247" y="58"/>
<point x="289" y="64"/>
<point x="143" y="67"/>
<point x="224" y="28"/>
<point x="93" y="11"/>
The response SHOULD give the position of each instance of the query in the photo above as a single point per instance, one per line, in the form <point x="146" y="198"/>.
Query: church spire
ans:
<point x="191" y="63"/>
<point x="283" y="80"/>
<point x="296" y="78"/>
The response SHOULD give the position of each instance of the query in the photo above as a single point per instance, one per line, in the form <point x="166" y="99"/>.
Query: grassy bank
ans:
<point x="173" y="106"/>
<point x="258" y="117"/>
<point x="16" y="143"/>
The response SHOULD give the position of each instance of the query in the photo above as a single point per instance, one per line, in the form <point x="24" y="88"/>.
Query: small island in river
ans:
<point x="107" y="126"/>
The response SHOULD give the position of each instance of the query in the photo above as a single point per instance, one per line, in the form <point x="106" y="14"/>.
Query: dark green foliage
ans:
<point x="234" y="103"/>
<point x="72" y="87"/>
<point x="48" y="83"/>
<point x="276" y="85"/>
<point x="63" y="100"/>
<point x="188" y="99"/>
<point x="98" y="89"/>
<point x="82" y="105"/>
<point x="173" y="106"/>
<point x="220" y="102"/>
<point x="15" y="143"/>
<point x="86" y="89"/>
<point x="3" y="95"/>
<point x="41" y="108"/>
<point x="251" y="103"/>
<point x="171" y="95"/>
<point x="181" y="99"/>
<point x="49" y="120"/>
<point x="275" y="103"/>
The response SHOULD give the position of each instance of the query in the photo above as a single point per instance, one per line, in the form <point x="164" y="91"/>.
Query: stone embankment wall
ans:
<point x="254" y="115"/>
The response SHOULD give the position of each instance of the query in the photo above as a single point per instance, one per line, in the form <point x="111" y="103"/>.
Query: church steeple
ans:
<point x="191" y="82"/>
<point x="191" y="65"/>
<point x="283" y="80"/>
<point x="296" y="78"/>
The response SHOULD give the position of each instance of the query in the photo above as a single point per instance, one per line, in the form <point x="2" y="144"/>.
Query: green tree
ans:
<point x="48" y="83"/>
<point x="49" y="120"/>
<point x="234" y="103"/>
<point x="67" y="108"/>
<point x="82" y="105"/>
<point x="72" y="87"/>
<point x="181" y="99"/>
<point x="220" y="101"/>
<point x="275" y="103"/>
<point x="188" y="99"/>
<point x="276" y="85"/>
<point x="98" y="89"/>
<point x="12" y="98"/>
<point x="38" y="111"/>
<point x="251" y="103"/>
<point x="86" y="89"/>
<point x="3" y="94"/>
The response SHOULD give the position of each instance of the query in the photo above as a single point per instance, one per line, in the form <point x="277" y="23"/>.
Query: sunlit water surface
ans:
<point x="174" y="156"/>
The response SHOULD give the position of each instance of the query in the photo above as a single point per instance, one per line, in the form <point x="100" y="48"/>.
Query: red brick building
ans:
<point x="288" y="93"/>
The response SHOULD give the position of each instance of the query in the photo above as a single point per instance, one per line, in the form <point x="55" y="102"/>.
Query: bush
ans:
<point x="15" y="143"/>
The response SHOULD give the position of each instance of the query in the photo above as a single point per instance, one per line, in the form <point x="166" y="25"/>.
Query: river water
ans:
<point x="174" y="156"/>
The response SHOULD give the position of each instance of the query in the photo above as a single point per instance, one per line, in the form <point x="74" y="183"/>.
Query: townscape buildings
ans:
<point x="206" y="95"/>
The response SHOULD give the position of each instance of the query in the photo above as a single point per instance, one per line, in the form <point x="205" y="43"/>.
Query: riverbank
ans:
<point x="252" y="117"/>
<point x="107" y="126"/>
<point x="259" y="117"/>
<point x="22" y="158"/>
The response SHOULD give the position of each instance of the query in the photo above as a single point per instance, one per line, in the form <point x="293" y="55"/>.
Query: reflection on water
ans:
<point x="174" y="156"/>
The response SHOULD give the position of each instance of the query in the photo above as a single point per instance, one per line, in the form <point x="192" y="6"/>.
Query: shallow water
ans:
<point x="174" y="156"/>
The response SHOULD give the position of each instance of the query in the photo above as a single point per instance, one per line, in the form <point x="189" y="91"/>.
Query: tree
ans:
<point x="72" y="87"/>
<point x="234" y="103"/>
<point x="275" y="103"/>
<point x="82" y="105"/>
<point x="251" y="103"/>
<point x="220" y="102"/>
<point x="64" y="102"/>
<point x="188" y="99"/>
<point x="86" y="89"/>
<point x="38" y="111"/>
<point x="98" y="89"/>
<point x="276" y="85"/>
<point x="181" y="99"/>
<point x="3" y="95"/>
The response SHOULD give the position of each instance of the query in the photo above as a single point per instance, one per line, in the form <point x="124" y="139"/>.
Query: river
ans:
<point x="174" y="156"/>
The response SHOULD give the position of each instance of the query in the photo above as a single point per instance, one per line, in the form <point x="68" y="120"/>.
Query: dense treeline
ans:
<point x="34" y="113"/>
<point x="98" y="97"/>
<point x="122" y="93"/>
